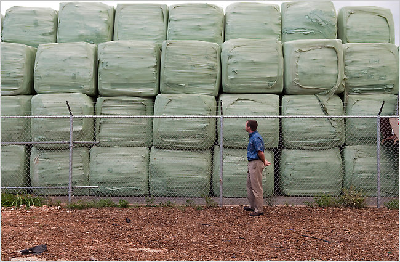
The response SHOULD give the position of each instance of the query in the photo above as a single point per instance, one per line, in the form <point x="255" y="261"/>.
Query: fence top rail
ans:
<point x="202" y="116"/>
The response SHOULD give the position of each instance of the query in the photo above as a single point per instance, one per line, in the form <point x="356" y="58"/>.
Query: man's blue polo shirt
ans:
<point x="256" y="144"/>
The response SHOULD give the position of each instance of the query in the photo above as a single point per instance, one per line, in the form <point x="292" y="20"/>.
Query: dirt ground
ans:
<point x="185" y="233"/>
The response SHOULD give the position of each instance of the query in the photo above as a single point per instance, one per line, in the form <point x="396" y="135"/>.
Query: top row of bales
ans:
<point x="96" y="22"/>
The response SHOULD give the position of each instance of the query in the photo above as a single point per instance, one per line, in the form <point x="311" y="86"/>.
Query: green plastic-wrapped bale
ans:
<point x="180" y="173"/>
<point x="308" y="20"/>
<point x="146" y="22"/>
<point x="361" y="172"/>
<point x="312" y="133"/>
<point x="16" y="129"/>
<point x="30" y="25"/>
<point x="235" y="136"/>
<point x="50" y="168"/>
<point x="17" y="69"/>
<point x="58" y="129"/>
<point x="119" y="171"/>
<point x="235" y="173"/>
<point x="360" y="131"/>
<point x="196" y="21"/>
<point x="90" y="22"/>
<point x="13" y="166"/>
<point x="365" y="24"/>
<point x="124" y="131"/>
<point x="251" y="20"/>
<point x="311" y="172"/>
<point x="313" y="67"/>
<point x="184" y="133"/>
<point x="252" y="66"/>
<point x="128" y="68"/>
<point x="190" y="67"/>
<point x="371" y="68"/>
<point x="66" y="68"/>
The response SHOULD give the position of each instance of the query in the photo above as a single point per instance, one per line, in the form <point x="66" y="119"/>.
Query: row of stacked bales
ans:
<point x="124" y="75"/>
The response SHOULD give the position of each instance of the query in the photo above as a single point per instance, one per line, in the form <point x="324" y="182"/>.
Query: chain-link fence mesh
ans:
<point x="180" y="157"/>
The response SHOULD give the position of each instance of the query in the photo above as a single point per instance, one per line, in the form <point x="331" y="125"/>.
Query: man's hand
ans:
<point x="266" y="163"/>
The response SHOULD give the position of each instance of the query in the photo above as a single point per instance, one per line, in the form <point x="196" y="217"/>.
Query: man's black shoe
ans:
<point x="248" y="209"/>
<point x="256" y="214"/>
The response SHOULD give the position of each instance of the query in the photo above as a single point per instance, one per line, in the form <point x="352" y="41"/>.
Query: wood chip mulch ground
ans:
<point x="186" y="233"/>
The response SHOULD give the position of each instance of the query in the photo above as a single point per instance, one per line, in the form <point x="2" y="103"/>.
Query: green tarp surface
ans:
<point x="30" y="25"/>
<point x="235" y="173"/>
<point x="119" y="171"/>
<point x="190" y="67"/>
<point x="252" y="66"/>
<point x="13" y="166"/>
<point x="360" y="131"/>
<point x="128" y="68"/>
<point x="234" y="133"/>
<point x="196" y="21"/>
<point x="371" y="68"/>
<point x="308" y="20"/>
<point x="361" y="172"/>
<point x="146" y="22"/>
<point x="58" y="129"/>
<point x="90" y="22"/>
<point x="312" y="133"/>
<point x="304" y="172"/>
<point x="50" y="168"/>
<point x="66" y="68"/>
<point x="17" y="69"/>
<point x="180" y="173"/>
<point x="365" y="24"/>
<point x="313" y="67"/>
<point x="184" y="133"/>
<point x="16" y="129"/>
<point x="252" y="20"/>
<point x="124" y="131"/>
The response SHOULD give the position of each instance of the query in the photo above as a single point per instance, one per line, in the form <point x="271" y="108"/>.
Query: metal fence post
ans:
<point x="378" y="158"/>
<point x="71" y="146"/>
<point x="221" y="159"/>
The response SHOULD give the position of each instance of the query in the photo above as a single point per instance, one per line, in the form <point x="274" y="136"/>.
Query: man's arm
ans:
<point x="261" y="155"/>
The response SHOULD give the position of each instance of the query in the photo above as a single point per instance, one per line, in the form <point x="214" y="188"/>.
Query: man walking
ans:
<point x="256" y="164"/>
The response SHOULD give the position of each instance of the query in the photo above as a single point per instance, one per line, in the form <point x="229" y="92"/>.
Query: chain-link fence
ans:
<point x="189" y="157"/>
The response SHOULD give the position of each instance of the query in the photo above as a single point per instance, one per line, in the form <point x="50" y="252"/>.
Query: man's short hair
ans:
<point x="252" y="124"/>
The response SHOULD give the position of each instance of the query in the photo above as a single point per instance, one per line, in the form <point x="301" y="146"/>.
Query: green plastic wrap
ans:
<point x="235" y="173"/>
<point x="141" y="22"/>
<point x="365" y="24"/>
<point x="252" y="20"/>
<point x="16" y="129"/>
<point x="50" y="168"/>
<point x="312" y="133"/>
<point x="235" y="135"/>
<point x="196" y="21"/>
<point x="308" y="20"/>
<point x="119" y="171"/>
<point x="311" y="172"/>
<point x="313" y="67"/>
<point x="90" y="22"/>
<point x="58" y="129"/>
<point x="124" y="131"/>
<point x="66" y="68"/>
<point x="371" y="68"/>
<point x="361" y="172"/>
<point x="180" y="173"/>
<point x="128" y="68"/>
<point x="360" y="131"/>
<point x="13" y="166"/>
<point x="184" y="133"/>
<point x="190" y="67"/>
<point x="17" y="69"/>
<point x="30" y="25"/>
<point x="252" y="66"/>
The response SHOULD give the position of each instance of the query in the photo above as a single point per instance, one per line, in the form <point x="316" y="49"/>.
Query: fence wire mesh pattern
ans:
<point x="191" y="156"/>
